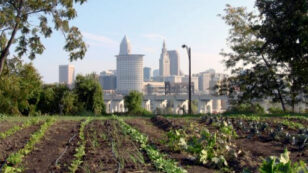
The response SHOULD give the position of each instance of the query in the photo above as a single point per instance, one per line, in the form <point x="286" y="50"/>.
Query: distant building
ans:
<point x="147" y="74"/>
<point x="194" y="81"/>
<point x="66" y="74"/>
<point x="173" y="79"/>
<point x="154" y="88"/>
<point x="174" y="57"/>
<point x="155" y="72"/>
<point x="129" y="69"/>
<point x="208" y="80"/>
<point x="108" y="81"/>
<point x="164" y="62"/>
<point x="178" y="88"/>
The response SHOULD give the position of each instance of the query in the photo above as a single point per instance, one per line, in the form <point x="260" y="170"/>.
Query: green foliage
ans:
<point x="133" y="102"/>
<point x="20" y="87"/>
<point x="14" y="160"/>
<point x="269" y="52"/>
<point x="80" y="150"/>
<point x="282" y="165"/>
<point x="275" y="110"/>
<point x="246" y="109"/>
<point x="158" y="159"/>
<point x="89" y="94"/>
<point x="30" y="20"/>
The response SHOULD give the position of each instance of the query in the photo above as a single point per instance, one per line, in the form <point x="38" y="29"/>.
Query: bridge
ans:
<point x="177" y="103"/>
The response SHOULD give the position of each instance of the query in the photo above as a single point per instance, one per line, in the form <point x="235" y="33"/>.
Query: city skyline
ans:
<point x="193" y="23"/>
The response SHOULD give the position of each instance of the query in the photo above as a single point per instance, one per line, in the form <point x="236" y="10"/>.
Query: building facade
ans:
<point x="67" y="74"/>
<point x="108" y="82"/>
<point x="174" y="57"/>
<point x="147" y="74"/>
<point x="164" y="62"/>
<point x="129" y="69"/>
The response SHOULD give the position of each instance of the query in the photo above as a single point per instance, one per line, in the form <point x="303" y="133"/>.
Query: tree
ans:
<point x="69" y="101"/>
<point x="258" y="68"/>
<point x="133" y="102"/>
<point x="20" y="87"/>
<point x="285" y="32"/>
<point x="89" y="93"/>
<point x="23" y="22"/>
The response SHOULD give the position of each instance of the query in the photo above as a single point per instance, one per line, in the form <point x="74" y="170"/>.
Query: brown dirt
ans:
<point x="101" y="156"/>
<point x="16" y="142"/>
<point x="43" y="157"/>
<point x="6" y="125"/>
<point x="156" y="135"/>
<point x="165" y="123"/>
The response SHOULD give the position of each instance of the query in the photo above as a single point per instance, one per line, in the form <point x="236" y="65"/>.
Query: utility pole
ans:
<point x="188" y="49"/>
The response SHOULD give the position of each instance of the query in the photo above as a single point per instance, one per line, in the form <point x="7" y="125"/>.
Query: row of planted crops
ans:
<point x="116" y="144"/>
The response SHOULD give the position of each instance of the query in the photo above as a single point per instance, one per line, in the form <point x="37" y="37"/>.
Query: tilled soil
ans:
<point x="157" y="135"/>
<point x="6" y="125"/>
<point x="16" y="142"/>
<point x="51" y="146"/>
<point x="109" y="150"/>
<point x="165" y="124"/>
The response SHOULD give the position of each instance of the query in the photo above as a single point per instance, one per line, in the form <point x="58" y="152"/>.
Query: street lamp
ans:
<point x="188" y="49"/>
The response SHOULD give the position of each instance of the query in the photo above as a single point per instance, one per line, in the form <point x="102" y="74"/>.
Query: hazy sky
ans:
<point x="146" y="23"/>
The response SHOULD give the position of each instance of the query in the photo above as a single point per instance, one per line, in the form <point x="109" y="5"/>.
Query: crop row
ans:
<point x="13" y="162"/>
<point x="17" y="128"/>
<point x="80" y="150"/>
<point x="159" y="160"/>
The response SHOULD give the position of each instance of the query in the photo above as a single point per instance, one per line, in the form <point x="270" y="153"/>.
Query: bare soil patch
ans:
<point x="45" y="154"/>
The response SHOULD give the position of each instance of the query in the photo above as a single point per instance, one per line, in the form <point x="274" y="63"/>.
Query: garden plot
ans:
<point x="6" y="125"/>
<point x="49" y="152"/>
<point x="157" y="137"/>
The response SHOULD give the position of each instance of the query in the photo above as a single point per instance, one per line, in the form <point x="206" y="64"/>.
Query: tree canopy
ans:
<point x="24" y="22"/>
<point x="268" y="57"/>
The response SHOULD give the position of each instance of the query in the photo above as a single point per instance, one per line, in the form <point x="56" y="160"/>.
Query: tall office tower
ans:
<point x="129" y="69"/>
<point x="155" y="72"/>
<point x="164" y="62"/>
<point x="108" y="80"/>
<point x="147" y="74"/>
<point x="66" y="74"/>
<point x="174" y="57"/>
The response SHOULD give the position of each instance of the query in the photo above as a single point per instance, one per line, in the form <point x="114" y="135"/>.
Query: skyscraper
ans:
<point x="174" y="57"/>
<point x="164" y="62"/>
<point x="66" y="74"/>
<point x="147" y="74"/>
<point x="129" y="69"/>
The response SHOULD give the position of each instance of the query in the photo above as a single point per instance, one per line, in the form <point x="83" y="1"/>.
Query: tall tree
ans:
<point x="285" y="32"/>
<point x="254" y="74"/>
<point x="89" y="93"/>
<point x="24" y="22"/>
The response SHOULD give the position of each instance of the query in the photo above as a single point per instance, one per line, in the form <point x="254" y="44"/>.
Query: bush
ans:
<point x="246" y="108"/>
<point x="275" y="110"/>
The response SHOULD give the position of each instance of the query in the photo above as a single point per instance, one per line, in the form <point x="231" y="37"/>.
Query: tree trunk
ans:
<point x="5" y="51"/>
<point x="277" y="86"/>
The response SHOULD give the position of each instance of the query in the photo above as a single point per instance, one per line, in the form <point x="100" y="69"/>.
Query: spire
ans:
<point x="125" y="47"/>
<point x="164" y="47"/>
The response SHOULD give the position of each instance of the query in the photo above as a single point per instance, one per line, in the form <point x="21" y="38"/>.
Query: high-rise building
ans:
<point x="155" y="72"/>
<point x="194" y="81"/>
<point x="66" y="74"/>
<point x="164" y="62"/>
<point x="108" y="80"/>
<point x="147" y="74"/>
<point x="174" y="57"/>
<point x="129" y="69"/>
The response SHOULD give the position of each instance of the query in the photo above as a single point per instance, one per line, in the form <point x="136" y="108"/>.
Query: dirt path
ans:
<point x="16" y="142"/>
<point x="43" y="157"/>
<point x="156" y="135"/>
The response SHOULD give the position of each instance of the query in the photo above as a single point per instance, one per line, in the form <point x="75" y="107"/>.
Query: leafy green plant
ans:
<point x="14" y="160"/>
<point x="80" y="151"/>
<point x="282" y="165"/>
<point x="158" y="159"/>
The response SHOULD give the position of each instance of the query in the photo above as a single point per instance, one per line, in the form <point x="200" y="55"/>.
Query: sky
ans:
<point x="146" y="23"/>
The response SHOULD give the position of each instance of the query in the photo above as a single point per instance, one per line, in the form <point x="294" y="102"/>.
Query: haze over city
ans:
<point x="147" y="24"/>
